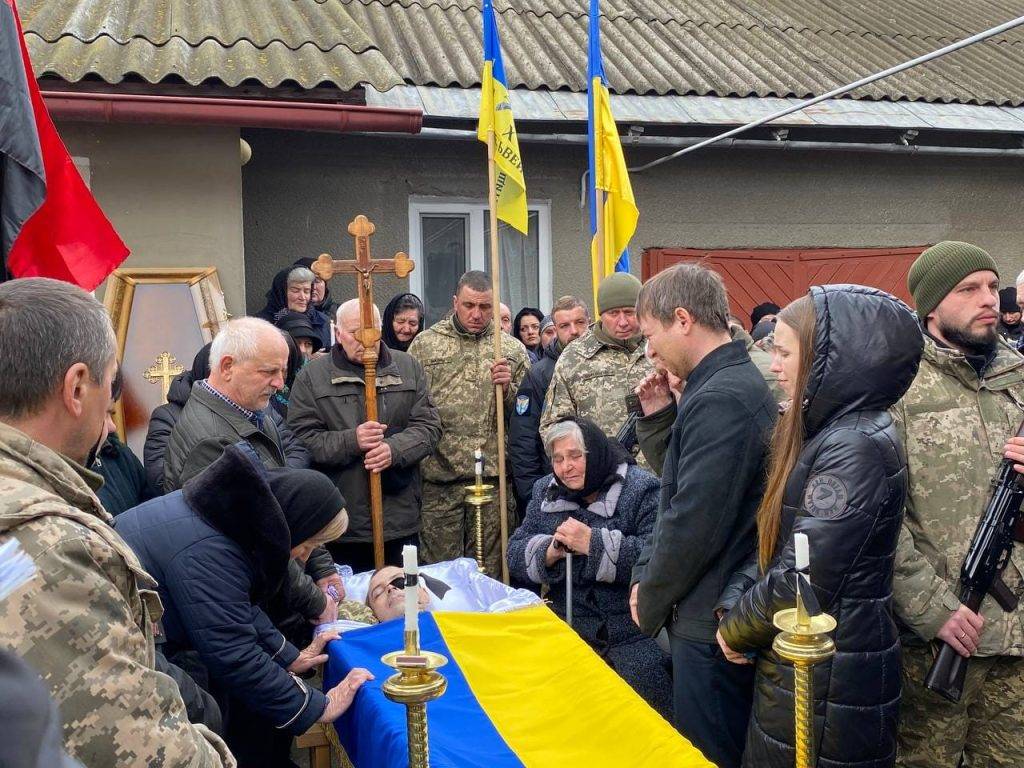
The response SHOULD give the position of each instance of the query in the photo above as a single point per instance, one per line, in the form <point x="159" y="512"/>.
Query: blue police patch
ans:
<point x="522" y="404"/>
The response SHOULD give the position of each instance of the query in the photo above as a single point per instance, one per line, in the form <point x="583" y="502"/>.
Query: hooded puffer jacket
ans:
<point x="846" y="492"/>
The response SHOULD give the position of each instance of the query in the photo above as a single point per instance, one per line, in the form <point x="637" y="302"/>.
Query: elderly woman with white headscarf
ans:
<point x="601" y="506"/>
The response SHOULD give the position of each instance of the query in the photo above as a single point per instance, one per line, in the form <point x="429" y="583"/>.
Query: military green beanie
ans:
<point x="619" y="289"/>
<point x="936" y="271"/>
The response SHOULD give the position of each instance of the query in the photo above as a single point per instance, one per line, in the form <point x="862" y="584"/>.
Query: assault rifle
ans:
<point x="626" y="436"/>
<point x="982" y="569"/>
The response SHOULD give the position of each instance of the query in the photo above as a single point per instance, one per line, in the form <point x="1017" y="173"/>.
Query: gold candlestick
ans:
<point x="804" y="641"/>
<point x="416" y="682"/>
<point x="477" y="496"/>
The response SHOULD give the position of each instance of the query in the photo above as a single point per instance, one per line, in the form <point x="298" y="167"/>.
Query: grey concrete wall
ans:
<point x="173" y="193"/>
<point x="300" y="191"/>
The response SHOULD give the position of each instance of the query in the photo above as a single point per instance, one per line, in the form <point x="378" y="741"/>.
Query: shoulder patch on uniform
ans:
<point x="522" y="404"/>
<point x="825" y="496"/>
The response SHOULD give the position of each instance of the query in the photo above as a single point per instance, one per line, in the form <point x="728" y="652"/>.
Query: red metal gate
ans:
<point x="755" y="275"/>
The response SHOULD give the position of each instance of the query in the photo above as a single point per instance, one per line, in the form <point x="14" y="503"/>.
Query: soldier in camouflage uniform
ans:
<point x="597" y="371"/>
<point x="457" y="355"/>
<point x="964" y="404"/>
<point x="85" y="621"/>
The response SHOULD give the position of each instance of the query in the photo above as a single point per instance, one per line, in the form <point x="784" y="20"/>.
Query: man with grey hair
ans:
<point x="84" y="622"/>
<point x="248" y="359"/>
<point x="713" y="480"/>
<point x="327" y="411"/>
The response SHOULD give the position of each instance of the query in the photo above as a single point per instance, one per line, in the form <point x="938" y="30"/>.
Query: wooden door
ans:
<point x="756" y="275"/>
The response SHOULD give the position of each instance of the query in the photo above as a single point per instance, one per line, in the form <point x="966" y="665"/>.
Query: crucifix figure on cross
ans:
<point x="364" y="267"/>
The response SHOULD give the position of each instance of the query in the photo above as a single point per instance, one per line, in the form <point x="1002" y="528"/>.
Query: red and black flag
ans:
<point x="50" y="224"/>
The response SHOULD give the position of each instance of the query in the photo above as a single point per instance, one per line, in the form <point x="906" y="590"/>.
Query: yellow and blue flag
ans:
<point x="608" y="170"/>
<point x="524" y="691"/>
<point x="496" y="114"/>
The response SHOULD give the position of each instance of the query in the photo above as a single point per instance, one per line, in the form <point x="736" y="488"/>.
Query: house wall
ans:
<point x="301" y="189"/>
<point x="173" y="193"/>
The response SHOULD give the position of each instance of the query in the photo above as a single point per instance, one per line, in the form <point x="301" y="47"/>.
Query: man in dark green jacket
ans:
<point x="248" y="360"/>
<point x="327" y="411"/>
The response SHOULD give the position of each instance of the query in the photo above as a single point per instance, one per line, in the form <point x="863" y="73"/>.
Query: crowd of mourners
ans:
<point x="671" y="448"/>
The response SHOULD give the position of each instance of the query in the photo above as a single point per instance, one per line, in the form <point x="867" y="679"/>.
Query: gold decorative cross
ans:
<point x="165" y="369"/>
<point x="368" y="335"/>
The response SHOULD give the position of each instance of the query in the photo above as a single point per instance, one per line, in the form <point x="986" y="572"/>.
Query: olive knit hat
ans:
<point x="619" y="289"/>
<point x="936" y="271"/>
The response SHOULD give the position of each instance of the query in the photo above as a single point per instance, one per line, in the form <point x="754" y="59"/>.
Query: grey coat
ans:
<point x="328" y="402"/>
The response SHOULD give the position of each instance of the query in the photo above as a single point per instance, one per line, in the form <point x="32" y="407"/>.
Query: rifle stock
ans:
<point x="949" y="669"/>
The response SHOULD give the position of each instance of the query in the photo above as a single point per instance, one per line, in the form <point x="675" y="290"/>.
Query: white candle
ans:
<point x="333" y="337"/>
<point x="479" y="462"/>
<point x="803" y="553"/>
<point x="411" y="592"/>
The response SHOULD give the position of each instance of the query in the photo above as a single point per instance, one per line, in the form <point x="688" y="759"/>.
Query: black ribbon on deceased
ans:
<point x="807" y="592"/>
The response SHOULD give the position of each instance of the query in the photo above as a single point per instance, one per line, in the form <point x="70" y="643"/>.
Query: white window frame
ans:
<point x="476" y="209"/>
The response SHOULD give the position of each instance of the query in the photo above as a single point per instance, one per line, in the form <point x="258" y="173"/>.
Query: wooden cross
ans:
<point x="165" y="369"/>
<point x="364" y="267"/>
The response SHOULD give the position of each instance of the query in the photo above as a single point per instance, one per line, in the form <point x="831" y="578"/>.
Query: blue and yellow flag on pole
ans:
<point x="607" y="167"/>
<point x="496" y="114"/>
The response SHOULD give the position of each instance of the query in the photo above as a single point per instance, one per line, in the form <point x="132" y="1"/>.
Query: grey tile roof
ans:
<point x="764" y="48"/>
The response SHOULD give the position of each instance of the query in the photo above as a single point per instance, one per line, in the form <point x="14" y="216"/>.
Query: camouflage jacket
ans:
<point x="591" y="380"/>
<point x="84" y="622"/>
<point x="458" y="370"/>
<point x="954" y="427"/>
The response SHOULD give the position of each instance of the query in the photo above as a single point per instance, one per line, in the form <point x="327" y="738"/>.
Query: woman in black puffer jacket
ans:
<point x="839" y="474"/>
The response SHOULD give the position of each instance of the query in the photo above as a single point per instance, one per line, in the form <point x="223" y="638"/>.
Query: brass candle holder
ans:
<point x="416" y="682"/>
<point x="803" y="640"/>
<point x="478" y="496"/>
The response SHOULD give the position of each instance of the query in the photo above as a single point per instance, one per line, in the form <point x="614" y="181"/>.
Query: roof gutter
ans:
<point x="243" y="113"/>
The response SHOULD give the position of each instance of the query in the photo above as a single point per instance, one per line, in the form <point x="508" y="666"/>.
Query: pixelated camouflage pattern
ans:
<point x="591" y="380"/>
<point x="356" y="611"/>
<point x="449" y="526"/>
<point x="458" y="369"/>
<point x="954" y="428"/>
<point x="85" y="621"/>
<point x="986" y="725"/>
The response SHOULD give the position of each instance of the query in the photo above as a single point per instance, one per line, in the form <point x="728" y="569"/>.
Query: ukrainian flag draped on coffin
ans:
<point x="608" y="169"/>
<point x="496" y="114"/>
<point x="523" y="690"/>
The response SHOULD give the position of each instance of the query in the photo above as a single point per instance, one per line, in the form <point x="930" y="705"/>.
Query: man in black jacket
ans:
<point x="713" y="481"/>
<point x="327" y="410"/>
<point x="529" y="462"/>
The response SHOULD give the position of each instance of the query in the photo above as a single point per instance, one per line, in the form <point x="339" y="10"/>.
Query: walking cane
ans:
<point x="568" y="587"/>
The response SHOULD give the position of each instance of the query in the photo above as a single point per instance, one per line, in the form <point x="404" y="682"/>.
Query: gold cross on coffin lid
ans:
<point x="165" y="369"/>
<point x="368" y="335"/>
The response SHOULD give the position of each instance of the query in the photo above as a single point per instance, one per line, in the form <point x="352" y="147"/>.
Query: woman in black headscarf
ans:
<point x="403" y="321"/>
<point x="527" y="331"/>
<point x="601" y="506"/>
<point x="321" y="296"/>
<point x="291" y="291"/>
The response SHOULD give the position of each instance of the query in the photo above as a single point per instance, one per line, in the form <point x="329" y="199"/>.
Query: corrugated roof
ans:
<point x="267" y="41"/>
<point x="766" y="48"/>
<point x="763" y="48"/>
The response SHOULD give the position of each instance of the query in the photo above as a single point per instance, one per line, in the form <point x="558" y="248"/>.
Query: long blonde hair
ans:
<point x="788" y="436"/>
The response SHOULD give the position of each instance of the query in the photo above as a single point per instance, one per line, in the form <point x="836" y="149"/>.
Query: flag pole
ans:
<point x="499" y="395"/>
<point x="599" y="233"/>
